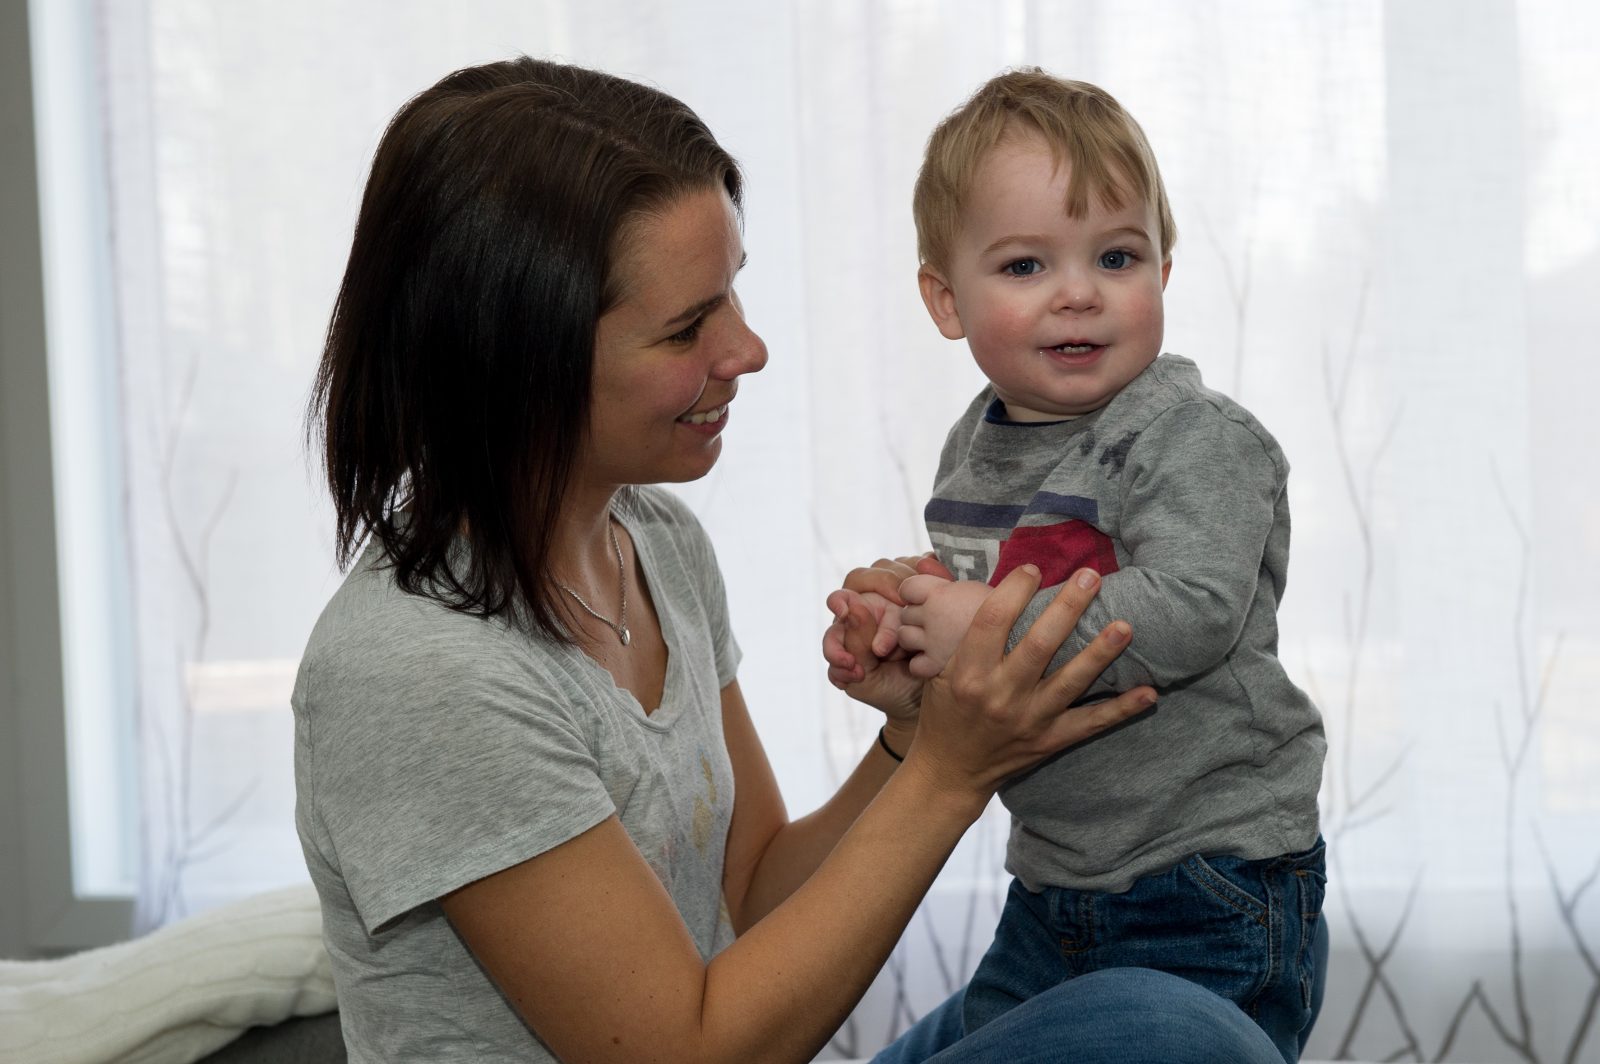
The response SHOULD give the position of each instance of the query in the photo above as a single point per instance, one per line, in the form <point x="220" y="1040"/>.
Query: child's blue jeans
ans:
<point x="1109" y="978"/>
<point x="1245" y="930"/>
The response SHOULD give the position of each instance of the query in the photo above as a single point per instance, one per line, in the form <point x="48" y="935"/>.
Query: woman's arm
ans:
<point x="767" y="855"/>
<point x="586" y="944"/>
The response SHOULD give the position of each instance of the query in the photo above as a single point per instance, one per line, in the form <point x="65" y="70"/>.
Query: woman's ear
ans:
<point x="940" y="300"/>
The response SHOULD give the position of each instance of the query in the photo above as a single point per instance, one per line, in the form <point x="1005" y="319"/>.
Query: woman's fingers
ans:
<point x="1055" y="624"/>
<point x="984" y="645"/>
<point x="1068" y="683"/>
<point x="858" y="626"/>
<point x="1081" y="722"/>
<point x="885" y="582"/>
<point x="1063" y="687"/>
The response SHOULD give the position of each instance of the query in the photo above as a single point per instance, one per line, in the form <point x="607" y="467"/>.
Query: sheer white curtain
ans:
<point x="1389" y="249"/>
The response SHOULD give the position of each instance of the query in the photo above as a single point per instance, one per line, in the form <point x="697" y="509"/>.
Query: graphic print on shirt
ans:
<point x="979" y="541"/>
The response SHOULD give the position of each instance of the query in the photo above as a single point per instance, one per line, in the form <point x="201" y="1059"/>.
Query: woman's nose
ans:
<point x="747" y="353"/>
<point x="744" y="351"/>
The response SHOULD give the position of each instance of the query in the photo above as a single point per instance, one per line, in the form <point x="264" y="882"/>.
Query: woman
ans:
<point x="538" y="817"/>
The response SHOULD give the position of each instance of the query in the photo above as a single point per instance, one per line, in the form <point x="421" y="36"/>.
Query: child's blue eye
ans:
<point x="1116" y="260"/>
<point x="1023" y="267"/>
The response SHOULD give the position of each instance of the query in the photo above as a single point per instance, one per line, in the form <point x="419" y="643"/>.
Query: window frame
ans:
<point x="52" y="915"/>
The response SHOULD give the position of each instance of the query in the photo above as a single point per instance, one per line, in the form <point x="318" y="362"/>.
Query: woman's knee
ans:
<point x="1130" y="1016"/>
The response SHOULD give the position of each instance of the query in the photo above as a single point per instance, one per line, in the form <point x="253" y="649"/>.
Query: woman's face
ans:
<point x="668" y="355"/>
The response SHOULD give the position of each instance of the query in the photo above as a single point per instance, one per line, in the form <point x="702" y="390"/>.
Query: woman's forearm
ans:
<point x="825" y="942"/>
<point x="799" y="847"/>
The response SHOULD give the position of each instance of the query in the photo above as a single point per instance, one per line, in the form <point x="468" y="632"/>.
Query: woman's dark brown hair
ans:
<point x="455" y="378"/>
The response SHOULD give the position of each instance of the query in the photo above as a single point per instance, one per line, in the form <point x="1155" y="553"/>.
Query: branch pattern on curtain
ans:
<point x="1389" y="249"/>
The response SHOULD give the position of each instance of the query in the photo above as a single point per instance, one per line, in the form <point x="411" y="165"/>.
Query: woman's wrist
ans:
<point x="896" y="737"/>
<point x="939" y="795"/>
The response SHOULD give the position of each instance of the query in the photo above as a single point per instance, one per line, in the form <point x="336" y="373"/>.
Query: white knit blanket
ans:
<point x="174" y="995"/>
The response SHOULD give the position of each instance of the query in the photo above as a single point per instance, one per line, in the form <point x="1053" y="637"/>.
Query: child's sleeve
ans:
<point x="1200" y="495"/>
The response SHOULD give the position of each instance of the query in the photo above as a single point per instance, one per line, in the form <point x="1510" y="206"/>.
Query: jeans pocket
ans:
<point x="1232" y="882"/>
<point x="1213" y="928"/>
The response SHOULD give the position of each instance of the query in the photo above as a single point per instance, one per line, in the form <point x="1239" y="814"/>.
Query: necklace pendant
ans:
<point x="624" y="635"/>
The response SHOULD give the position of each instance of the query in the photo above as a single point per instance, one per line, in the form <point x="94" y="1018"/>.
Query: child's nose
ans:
<point x="1076" y="291"/>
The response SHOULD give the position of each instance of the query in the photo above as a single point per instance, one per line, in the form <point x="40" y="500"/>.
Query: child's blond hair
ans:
<point x="1085" y="128"/>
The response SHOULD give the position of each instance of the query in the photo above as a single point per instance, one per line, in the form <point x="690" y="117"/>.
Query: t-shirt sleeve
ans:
<point x="433" y="770"/>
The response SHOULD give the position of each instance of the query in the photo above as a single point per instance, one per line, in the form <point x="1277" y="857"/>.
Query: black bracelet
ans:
<point x="886" y="747"/>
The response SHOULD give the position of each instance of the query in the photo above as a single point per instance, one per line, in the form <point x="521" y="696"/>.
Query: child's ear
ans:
<point x="940" y="300"/>
<point x="1166" y="269"/>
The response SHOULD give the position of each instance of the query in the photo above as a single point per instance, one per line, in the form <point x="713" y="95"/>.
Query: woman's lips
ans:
<point x="706" y="422"/>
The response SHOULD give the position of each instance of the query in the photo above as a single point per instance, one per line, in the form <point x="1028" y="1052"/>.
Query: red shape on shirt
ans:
<point x="1058" y="550"/>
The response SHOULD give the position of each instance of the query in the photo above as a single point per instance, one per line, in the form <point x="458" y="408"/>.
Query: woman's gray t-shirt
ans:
<point x="433" y="748"/>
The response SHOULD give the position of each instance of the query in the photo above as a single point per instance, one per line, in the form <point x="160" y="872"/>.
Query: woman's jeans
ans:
<point x="1168" y="970"/>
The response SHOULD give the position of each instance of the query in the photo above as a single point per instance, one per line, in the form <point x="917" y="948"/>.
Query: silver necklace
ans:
<point x="620" y="625"/>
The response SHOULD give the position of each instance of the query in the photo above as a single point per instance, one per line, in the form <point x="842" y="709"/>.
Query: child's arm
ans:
<point x="1200" y="492"/>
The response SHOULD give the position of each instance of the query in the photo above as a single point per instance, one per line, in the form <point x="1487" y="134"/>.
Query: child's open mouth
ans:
<point x="1074" y="355"/>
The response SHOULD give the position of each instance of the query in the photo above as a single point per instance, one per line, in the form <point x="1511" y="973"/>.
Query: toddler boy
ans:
<point x="1186" y="840"/>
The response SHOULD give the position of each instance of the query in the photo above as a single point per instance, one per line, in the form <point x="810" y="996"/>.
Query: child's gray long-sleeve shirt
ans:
<point x="1176" y="495"/>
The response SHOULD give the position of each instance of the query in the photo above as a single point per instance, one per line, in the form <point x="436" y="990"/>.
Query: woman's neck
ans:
<point x="580" y="548"/>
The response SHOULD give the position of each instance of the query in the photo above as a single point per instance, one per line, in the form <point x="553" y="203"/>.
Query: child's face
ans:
<point x="1061" y="313"/>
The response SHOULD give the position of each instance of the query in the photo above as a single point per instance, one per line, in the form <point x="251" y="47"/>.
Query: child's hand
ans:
<point x="864" y="632"/>
<point x="861" y="646"/>
<point x="936" y="616"/>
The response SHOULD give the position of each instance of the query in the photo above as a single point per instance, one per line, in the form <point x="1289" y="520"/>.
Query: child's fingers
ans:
<point x="984" y="645"/>
<point x="885" y="639"/>
<point x="916" y="590"/>
<point x="924" y="667"/>
<point x="930" y="565"/>
<point x="913" y="637"/>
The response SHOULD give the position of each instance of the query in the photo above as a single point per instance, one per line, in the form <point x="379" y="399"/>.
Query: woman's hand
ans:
<point x="861" y="645"/>
<point x="990" y="714"/>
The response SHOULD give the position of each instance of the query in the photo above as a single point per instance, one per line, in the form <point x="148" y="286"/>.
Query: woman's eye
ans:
<point x="688" y="333"/>
<point x="1116" y="260"/>
<point x="1023" y="267"/>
